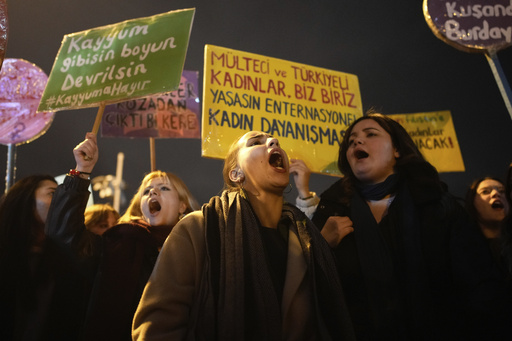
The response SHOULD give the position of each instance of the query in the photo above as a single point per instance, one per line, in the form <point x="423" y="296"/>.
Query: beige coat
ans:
<point x="164" y="310"/>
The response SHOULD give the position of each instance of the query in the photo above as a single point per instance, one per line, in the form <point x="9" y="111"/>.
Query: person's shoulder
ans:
<point x="191" y="224"/>
<point x="333" y="191"/>
<point x="193" y="220"/>
<point x="190" y="230"/>
<point x="446" y="208"/>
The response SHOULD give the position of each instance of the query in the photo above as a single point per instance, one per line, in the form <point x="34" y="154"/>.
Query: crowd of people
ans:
<point x="385" y="253"/>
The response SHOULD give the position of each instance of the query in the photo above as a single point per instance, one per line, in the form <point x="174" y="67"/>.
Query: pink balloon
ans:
<point x="21" y="87"/>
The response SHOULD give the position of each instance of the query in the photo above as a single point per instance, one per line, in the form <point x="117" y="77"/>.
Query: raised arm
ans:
<point x="65" y="222"/>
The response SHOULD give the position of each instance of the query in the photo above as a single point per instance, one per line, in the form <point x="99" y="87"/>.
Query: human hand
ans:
<point x="301" y="174"/>
<point x="86" y="153"/>
<point x="335" y="229"/>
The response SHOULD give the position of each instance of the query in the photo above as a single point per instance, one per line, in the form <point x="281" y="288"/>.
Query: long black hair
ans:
<point x="19" y="223"/>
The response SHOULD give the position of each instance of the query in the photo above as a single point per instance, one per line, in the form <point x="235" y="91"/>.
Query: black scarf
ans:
<point x="236" y="267"/>
<point x="392" y="264"/>
<point x="380" y="190"/>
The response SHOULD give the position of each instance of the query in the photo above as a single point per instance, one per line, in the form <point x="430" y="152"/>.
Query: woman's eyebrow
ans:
<point x="498" y="188"/>
<point x="370" y="128"/>
<point x="364" y="130"/>
<point x="257" y="137"/>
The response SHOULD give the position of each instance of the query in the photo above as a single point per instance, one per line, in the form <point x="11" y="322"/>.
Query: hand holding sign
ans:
<point x="86" y="153"/>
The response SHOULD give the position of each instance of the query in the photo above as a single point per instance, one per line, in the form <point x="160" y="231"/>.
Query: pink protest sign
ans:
<point x="471" y="25"/>
<point x="21" y="86"/>
<point x="174" y="114"/>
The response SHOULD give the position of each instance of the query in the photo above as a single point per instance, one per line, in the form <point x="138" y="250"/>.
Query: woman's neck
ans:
<point x="267" y="207"/>
<point x="490" y="230"/>
<point x="380" y="207"/>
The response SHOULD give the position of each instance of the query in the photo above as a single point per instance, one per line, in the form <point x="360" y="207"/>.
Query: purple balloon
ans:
<point x="471" y="25"/>
<point x="21" y="88"/>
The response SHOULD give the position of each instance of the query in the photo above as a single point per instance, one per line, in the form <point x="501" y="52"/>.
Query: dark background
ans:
<point x="402" y="68"/>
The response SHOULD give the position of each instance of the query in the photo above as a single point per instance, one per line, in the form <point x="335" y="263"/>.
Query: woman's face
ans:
<point x="371" y="154"/>
<point x="43" y="196"/>
<point x="103" y="225"/>
<point x="160" y="203"/>
<point x="264" y="166"/>
<point x="490" y="201"/>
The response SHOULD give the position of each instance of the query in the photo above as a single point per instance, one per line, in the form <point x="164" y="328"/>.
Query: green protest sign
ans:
<point x="108" y="64"/>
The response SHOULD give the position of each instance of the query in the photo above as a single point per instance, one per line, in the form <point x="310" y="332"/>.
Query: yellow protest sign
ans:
<point x="434" y="135"/>
<point x="307" y="108"/>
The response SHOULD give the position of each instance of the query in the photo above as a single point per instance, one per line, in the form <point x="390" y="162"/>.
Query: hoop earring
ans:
<point x="290" y="188"/>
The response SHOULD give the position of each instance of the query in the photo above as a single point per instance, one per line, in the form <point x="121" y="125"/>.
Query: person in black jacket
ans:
<point x="410" y="267"/>
<point x="120" y="261"/>
<point x="43" y="292"/>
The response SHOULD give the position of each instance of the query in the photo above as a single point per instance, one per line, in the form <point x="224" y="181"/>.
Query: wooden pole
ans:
<point x="99" y="117"/>
<point x="118" y="181"/>
<point x="152" y="153"/>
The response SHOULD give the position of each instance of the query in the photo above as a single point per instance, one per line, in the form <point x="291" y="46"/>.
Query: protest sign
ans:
<point x="434" y="135"/>
<point x="471" y="25"/>
<point x="307" y="108"/>
<point x="108" y="64"/>
<point x="174" y="114"/>
<point x="481" y="26"/>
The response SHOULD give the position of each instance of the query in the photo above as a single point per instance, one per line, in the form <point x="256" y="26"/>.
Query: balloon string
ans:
<point x="501" y="79"/>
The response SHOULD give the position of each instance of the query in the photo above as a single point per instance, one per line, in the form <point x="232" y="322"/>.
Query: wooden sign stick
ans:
<point x="99" y="117"/>
<point x="152" y="153"/>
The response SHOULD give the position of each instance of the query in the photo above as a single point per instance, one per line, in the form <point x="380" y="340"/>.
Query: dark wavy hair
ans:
<point x="19" y="223"/>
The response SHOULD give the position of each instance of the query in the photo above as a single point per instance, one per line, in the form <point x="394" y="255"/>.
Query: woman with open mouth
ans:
<point x="248" y="266"/>
<point x="120" y="261"/>
<point x="487" y="205"/>
<point x="410" y="267"/>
